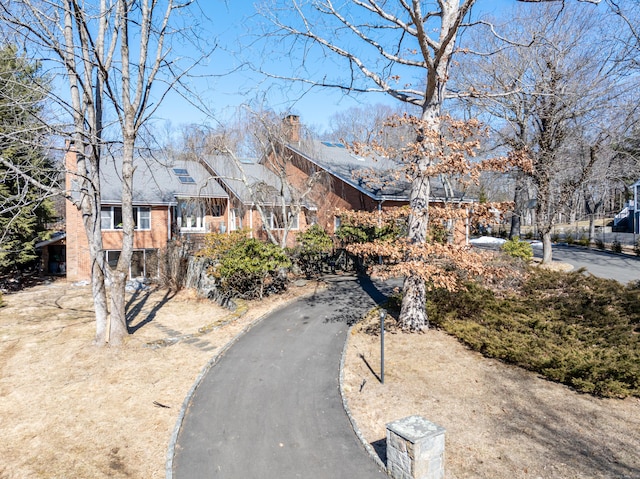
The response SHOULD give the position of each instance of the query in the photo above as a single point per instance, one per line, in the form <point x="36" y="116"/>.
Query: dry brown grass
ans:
<point x="69" y="409"/>
<point x="502" y="422"/>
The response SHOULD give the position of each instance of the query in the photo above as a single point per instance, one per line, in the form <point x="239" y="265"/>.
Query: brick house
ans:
<point x="187" y="199"/>
<point x="172" y="199"/>
<point x="356" y="182"/>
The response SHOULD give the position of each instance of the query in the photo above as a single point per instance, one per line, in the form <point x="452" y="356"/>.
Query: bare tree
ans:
<point x="402" y="49"/>
<point x="548" y="91"/>
<point x="361" y="124"/>
<point x="112" y="54"/>
<point x="278" y="191"/>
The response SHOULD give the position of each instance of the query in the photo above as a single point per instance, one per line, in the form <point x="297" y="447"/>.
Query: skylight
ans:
<point x="180" y="172"/>
<point x="333" y="145"/>
<point x="186" y="179"/>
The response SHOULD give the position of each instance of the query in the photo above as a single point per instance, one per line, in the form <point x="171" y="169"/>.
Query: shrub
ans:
<point x="314" y="240"/>
<point x="569" y="239"/>
<point x="616" y="246"/>
<point x="555" y="237"/>
<point x="173" y="263"/>
<point x="599" y="243"/>
<point x="314" y="244"/>
<point x="518" y="249"/>
<point x="246" y="267"/>
<point x="578" y="330"/>
<point x="584" y="241"/>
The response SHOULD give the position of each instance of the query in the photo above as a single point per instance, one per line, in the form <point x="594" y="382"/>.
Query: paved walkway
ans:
<point x="271" y="407"/>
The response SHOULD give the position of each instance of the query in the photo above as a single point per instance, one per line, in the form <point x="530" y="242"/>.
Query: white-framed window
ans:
<point x="144" y="262"/>
<point x="191" y="215"/>
<point x="337" y="221"/>
<point x="111" y="218"/>
<point x="276" y="221"/>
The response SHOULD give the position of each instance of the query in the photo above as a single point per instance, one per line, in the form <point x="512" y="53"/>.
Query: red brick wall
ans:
<point x="78" y="262"/>
<point x="341" y="195"/>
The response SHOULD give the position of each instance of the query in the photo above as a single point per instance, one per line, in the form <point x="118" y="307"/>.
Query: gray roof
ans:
<point x="248" y="180"/>
<point x="158" y="182"/>
<point x="378" y="177"/>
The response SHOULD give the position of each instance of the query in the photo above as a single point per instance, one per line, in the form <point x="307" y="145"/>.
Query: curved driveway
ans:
<point x="271" y="407"/>
<point x="624" y="268"/>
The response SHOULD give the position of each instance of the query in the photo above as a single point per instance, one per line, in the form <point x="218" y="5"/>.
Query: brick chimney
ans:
<point x="292" y="128"/>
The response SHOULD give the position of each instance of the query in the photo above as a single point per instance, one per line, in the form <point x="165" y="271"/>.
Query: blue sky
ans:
<point x="232" y="25"/>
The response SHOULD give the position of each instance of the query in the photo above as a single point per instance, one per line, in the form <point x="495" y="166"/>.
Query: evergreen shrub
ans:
<point x="246" y="267"/>
<point x="518" y="249"/>
<point x="578" y="330"/>
<point x="314" y="246"/>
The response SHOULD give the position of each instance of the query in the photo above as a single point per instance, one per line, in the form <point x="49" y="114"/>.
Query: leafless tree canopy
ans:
<point x="115" y="59"/>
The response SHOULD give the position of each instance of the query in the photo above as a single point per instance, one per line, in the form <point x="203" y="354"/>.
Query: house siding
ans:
<point x="342" y="195"/>
<point x="78" y="260"/>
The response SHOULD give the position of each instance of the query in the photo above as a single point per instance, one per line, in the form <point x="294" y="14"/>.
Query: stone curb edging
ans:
<point x="354" y="425"/>
<point x="207" y="367"/>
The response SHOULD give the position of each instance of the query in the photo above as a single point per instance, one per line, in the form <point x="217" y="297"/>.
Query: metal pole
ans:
<point x="382" y="315"/>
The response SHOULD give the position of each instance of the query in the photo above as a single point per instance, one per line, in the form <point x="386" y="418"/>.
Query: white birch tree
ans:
<point x="116" y="59"/>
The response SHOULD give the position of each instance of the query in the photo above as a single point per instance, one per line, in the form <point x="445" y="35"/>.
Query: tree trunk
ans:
<point x="547" y="252"/>
<point x="518" y="210"/>
<point x="413" y="313"/>
<point x="592" y="228"/>
<point x="100" y="304"/>
<point x="118" y="319"/>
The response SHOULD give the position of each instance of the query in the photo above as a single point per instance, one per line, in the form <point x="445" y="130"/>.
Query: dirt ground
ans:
<point x="71" y="410"/>
<point x="501" y="422"/>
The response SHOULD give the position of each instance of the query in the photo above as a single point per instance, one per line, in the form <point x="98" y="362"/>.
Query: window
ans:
<point x="216" y="210"/>
<point x="276" y="221"/>
<point x="111" y="218"/>
<point x="235" y="219"/>
<point x="190" y="215"/>
<point x="143" y="218"/>
<point x="144" y="263"/>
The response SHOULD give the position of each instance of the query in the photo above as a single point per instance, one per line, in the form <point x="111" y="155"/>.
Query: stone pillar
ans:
<point x="415" y="449"/>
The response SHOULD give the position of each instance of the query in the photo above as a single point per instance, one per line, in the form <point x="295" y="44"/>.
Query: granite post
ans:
<point x="415" y="449"/>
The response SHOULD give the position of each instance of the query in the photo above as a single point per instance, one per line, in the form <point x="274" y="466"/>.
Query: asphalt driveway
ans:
<point x="271" y="407"/>
<point x="623" y="268"/>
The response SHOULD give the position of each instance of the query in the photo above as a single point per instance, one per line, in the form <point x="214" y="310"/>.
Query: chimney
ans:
<point x="292" y="128"/>
<point x="70" y="162"/>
